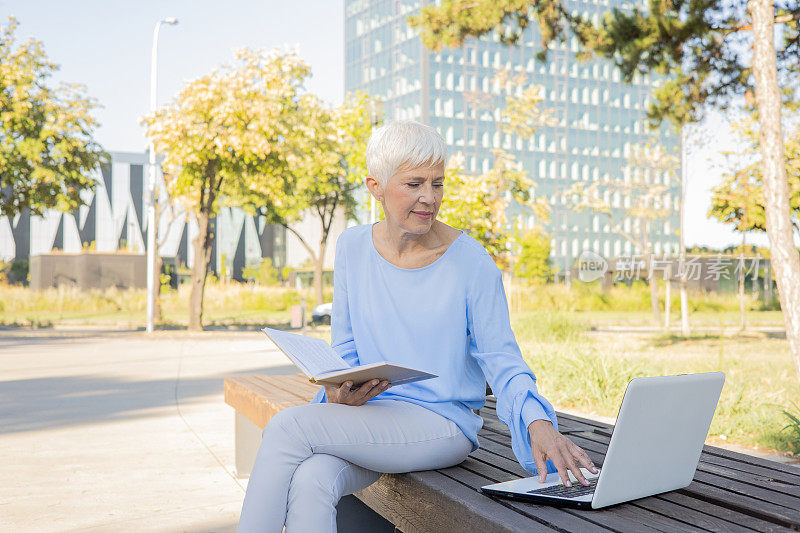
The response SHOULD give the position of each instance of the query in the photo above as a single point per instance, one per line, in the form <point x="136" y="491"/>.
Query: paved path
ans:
<point x="115" y="431"/>
<point x="118" y="431"/>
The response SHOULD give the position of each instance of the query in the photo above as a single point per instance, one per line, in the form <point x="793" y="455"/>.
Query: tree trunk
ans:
<point x="776" y="188"/>
<point x="667" y="296"/>
<point x="653" y="282"/>
<point x="157" y="318"/>
<point x="318" y="265"/>
<point x="682" y="274"/>
<point x="157" y="269"/>
<point x="742" y="310"/>
<point x="202" y="256"/>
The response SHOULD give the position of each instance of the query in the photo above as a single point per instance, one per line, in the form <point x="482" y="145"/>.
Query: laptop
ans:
<point x="655" y="446"/>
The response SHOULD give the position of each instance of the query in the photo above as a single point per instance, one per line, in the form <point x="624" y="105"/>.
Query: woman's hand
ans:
<point x="346" y="395"/>
<point x="547" y="443"/>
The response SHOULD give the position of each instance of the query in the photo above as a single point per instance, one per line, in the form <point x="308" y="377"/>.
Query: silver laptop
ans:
<point x="655" y="446"/>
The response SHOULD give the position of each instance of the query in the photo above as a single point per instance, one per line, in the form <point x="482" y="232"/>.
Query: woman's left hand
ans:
<point x="346" y="395"/>
<point x="547" y="443"/>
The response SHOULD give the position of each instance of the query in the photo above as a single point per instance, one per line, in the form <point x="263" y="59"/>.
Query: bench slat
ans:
<point x="475" y="474"/>
<point x="295" y="384"/>
<point x="422" y="502"/>
<point x="731" y="491"/>
<point x="767" y="492"/>
<point x="705" y="488"/>
<point x="249" y="397"/>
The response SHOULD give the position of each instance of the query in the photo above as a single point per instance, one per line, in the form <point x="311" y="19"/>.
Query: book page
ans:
<point x="312" y="356"/>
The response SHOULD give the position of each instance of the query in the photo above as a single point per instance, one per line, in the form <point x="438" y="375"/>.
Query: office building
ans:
<point x="114" y="219"/>
<point x="598" y="120"/>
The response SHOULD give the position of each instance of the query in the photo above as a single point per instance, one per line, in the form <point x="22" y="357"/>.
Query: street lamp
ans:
<point x="151" y="186"/>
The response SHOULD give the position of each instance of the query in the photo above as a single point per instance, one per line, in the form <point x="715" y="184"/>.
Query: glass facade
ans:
<point x="597" y="118"/>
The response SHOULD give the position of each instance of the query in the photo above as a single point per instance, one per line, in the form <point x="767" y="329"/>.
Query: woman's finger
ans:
<point x="360" y="394"/>
<point x="573" y="467"/>
<point x="377" y="389"/>
<point x="541" y="464"/>
<point x="344" y="391"/>
<point x="562" y="468"/>
<point x="583" y="458"/>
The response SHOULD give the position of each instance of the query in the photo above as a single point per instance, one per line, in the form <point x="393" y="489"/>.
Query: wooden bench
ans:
<point x="730" y="492"/>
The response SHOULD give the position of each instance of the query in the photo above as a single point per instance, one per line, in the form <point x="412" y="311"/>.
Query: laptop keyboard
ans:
<point x="563" y="491"/>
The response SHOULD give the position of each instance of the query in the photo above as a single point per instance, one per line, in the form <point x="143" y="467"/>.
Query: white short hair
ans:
<point x="403" y="143"/>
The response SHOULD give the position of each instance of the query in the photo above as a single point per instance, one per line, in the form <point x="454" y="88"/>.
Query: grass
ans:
<point x="579" y="365"/>
<point x="224" y="304"/>
<point x="589" y="371"/>
<point x="587" y="297"/>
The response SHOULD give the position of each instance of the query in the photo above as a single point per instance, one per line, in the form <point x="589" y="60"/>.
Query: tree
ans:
<point x="47" y="149"/>
<point x="634" y="202"/>
<point x="533" y="260"/>
<point x="327" y="169"/>
<point x="702" y="48"/>
<point x="163" y="206"/>
<point x="478" y="203"/>
<point x="739" y="199"/>
<point x="227" y="139"/>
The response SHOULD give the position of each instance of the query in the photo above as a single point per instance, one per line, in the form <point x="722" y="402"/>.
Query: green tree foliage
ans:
<point x="533" y="258"/>
<point x="262" y="273"/>
<point x="739" y="199"/>
<point x="480" y="203"/>
<point x="324" y="172"/>
<point x="705" y="51"/>
<point x="47" y="149"/>
<point x="640" y="198"/>
<point x="698" y="46"/>
<point x="228" y="139"/>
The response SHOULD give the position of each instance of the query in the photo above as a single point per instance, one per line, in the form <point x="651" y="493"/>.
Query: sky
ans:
<point x="106" y="46"/>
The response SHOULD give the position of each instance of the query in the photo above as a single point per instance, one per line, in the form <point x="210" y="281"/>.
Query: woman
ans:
<point x="413" y="291"/>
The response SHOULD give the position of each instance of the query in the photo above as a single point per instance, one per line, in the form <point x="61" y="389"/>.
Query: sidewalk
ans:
<point x="116" y="431"/>
<point x="119" y="431"/>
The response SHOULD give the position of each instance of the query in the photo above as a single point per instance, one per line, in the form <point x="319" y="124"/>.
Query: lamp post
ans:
<point x="151" y="185"/>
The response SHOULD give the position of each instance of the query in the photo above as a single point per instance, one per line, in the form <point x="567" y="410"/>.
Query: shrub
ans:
<point x="14" y="272"/>
<point x="262" y="273"/>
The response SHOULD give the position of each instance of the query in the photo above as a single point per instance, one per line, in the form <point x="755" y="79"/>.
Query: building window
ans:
<point x="448" y="108"/>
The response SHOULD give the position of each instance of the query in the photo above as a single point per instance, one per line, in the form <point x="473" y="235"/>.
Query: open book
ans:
<point x="317" y="360"/>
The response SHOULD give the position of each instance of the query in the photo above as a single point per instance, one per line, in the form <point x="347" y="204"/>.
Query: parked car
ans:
<point x="321" y="314"/>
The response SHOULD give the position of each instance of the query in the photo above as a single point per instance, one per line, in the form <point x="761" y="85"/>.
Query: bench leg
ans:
<point x="353" y="516"/>
<point x="248" y="439"/>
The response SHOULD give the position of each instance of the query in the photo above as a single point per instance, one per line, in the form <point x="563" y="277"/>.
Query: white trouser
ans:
<point x="312" y="455"/>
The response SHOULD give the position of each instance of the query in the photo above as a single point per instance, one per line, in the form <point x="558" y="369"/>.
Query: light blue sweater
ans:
<point x="449" y="318"/>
